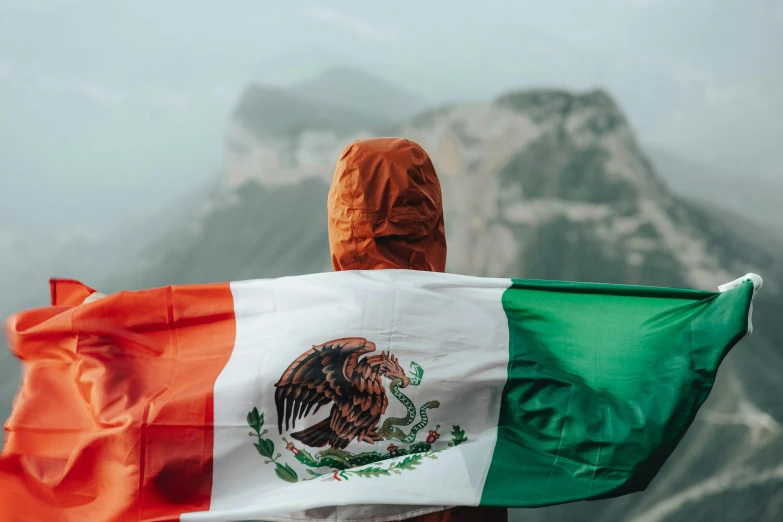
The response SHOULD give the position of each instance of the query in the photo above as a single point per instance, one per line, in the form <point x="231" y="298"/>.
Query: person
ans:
<point x="385" y="211"/>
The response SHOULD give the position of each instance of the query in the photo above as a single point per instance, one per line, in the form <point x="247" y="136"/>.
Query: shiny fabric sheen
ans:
<point x="114" y="418"/>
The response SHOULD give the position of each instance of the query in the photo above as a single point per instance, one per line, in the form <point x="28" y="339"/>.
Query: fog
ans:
<point x="108" y="109"/>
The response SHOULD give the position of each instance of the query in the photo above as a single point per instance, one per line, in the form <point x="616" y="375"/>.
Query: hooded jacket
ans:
<point x="385" y="208"/>
<point x="385" y="211"/>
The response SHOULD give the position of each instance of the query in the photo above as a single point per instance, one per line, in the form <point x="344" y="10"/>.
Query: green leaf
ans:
<point x="409" y="462"/>
<point x="285" y="472"/>
<point x="253" y="419"/>
<point x="457" y="436"/>
<point x="267" y="448"/>
<point x="371" y="471"/>
<point x="260" y="421"/>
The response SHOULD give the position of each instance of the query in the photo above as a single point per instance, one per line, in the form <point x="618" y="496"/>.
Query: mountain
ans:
<point x="356" y="89"/>
<point x="751" y="196"/>
<point x="269" y="111"/>
<point x="537" y="184"/>
<point x="268" y="127"/>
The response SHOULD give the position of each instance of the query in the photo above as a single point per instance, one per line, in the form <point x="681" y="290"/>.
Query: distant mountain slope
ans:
<point x="742" y="192"/>
<point x="268" y="111"/>
<point x="253" y="233"/>
<point x="270" y="125"/>
<point x="354" y="88"/>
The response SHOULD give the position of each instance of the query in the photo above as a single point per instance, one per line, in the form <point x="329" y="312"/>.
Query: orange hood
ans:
<point x="385" y="208"/>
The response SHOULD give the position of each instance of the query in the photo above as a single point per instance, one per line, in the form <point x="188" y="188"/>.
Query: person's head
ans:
<point x="385" y="208"/>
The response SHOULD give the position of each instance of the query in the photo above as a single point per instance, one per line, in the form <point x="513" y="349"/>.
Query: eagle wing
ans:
<point x="317" y="377"/>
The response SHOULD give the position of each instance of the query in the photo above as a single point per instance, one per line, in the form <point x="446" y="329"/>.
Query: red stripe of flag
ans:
<point x="114" y="421"/>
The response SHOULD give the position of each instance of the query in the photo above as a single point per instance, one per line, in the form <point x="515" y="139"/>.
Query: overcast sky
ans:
<point x="110" y="107"/>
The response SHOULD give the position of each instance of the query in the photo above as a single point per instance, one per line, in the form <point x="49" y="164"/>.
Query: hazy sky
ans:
<point x="109" y="107"/>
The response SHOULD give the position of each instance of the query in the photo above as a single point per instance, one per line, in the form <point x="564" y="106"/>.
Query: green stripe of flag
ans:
<point x="603" y="382"/>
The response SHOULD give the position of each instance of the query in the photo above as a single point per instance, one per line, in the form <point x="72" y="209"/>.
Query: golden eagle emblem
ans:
<point x="334" y="372"/>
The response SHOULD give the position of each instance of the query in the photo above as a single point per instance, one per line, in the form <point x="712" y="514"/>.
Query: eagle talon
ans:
<point x="370" y="438"/>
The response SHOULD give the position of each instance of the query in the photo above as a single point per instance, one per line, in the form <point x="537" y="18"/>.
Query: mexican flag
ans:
<point x="354" y="395"/>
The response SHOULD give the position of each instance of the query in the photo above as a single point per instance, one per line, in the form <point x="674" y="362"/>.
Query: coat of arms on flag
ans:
<point x="343" y="373"/>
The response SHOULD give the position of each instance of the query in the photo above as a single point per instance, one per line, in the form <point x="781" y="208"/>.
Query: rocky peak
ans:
<point x="277" y="137"/>
<point x="547" y="102"/>
<point x="537" y="183"/>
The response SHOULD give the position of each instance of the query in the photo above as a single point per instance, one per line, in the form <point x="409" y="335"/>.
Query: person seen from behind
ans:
<point x="385" y="211"/>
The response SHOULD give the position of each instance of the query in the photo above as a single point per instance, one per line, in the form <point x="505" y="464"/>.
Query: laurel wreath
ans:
<point x="266" y="448"/>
